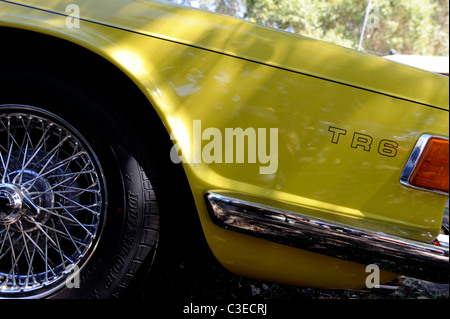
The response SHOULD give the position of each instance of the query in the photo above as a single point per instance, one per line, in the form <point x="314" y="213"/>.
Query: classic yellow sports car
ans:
<point x="308" y="163"/>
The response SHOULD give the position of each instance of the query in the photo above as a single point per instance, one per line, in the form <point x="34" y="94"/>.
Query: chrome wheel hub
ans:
<point x="18" y="207"/>
<point x="52" y="201"/>
<point x="11" y="199"/>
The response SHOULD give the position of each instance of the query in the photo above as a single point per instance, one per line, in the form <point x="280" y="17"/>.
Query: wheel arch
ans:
<point x="110" y="76"/>
<point x="79" y="57"/>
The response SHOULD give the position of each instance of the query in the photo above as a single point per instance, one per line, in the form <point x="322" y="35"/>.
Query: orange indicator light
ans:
<point x="432" y="169"/>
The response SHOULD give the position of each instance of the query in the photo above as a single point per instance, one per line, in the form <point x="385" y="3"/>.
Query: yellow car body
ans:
<point x="347" y="124"/>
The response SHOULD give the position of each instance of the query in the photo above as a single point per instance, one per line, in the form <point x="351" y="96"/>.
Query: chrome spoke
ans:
<point x="51" y="201"/>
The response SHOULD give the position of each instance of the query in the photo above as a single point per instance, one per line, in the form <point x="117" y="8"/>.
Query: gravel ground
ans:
<point x="185" y="277"/>
<point x="204" y="282"/>
<point x="219" y="284"/>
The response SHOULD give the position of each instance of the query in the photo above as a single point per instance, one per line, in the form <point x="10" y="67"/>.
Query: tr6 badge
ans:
<point x="364" y="142"/>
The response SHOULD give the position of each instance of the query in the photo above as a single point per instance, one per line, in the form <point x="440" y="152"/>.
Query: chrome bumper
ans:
<point x="391" y="253"/>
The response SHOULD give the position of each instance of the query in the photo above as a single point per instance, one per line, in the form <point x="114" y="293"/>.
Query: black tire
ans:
<point x="127" y="231"/>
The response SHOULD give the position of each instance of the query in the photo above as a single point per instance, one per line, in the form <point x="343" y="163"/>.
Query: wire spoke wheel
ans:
<point x="52" y="201"/>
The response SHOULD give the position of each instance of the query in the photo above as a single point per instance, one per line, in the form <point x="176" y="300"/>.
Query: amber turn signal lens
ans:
<point x="431" y="171"/>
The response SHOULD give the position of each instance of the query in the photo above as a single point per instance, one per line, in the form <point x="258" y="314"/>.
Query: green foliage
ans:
<point x="406" y="26"/>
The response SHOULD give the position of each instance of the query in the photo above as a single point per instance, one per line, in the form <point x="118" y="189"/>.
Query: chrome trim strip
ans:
<point x="395" y="254"/>
<point x="414" y="159"/>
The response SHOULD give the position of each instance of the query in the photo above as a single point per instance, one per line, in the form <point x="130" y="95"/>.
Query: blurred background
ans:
<point x="380" y="27"/>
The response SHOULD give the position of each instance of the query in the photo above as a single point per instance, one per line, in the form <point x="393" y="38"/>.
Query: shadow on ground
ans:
<point x="200" y="277"/>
